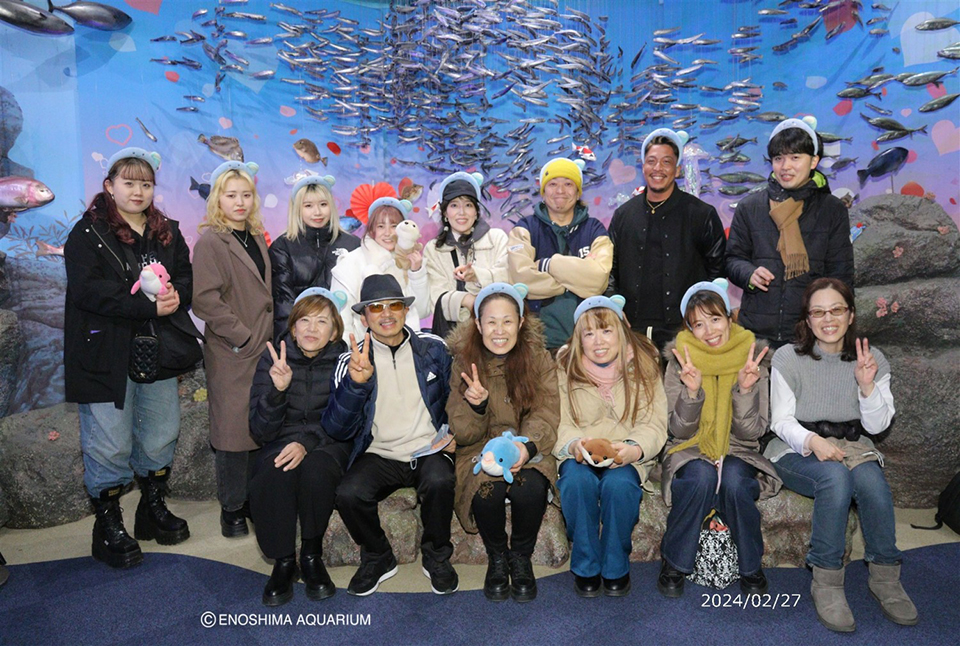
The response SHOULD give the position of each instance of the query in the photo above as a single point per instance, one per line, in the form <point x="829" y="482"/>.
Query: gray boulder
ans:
<point x="41" y="469"/>
<point x="194" y="474"/>
<point x="4" y="283"/>
<point x="923" y="313"/>
<point x="905" y="238"/>
<point x="10" y="340"/>
<point x="40" y="375"/>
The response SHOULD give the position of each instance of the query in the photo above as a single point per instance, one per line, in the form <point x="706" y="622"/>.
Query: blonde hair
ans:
<point x="641" y="370"/>
<point x="381" y="213"/>
<point x="295" y="225"/>
<point x="216" y="219"/>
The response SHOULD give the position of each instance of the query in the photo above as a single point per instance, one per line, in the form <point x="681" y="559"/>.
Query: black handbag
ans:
<point x="180" y="349"/>
<point x="145" y="354"/>
<point x="443" y="326"/>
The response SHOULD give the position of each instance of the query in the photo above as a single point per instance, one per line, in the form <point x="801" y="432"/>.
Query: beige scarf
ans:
<point x="786" y="216"/>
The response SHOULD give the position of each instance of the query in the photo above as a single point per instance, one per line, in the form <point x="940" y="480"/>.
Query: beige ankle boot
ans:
<point x="831" y="601"/>
<point x="884" y="584"/>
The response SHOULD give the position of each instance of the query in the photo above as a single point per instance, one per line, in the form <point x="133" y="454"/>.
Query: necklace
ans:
<point x="653" y="209"/>
<point x="245" y="239"/>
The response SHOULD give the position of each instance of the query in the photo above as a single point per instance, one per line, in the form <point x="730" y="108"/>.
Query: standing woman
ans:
<point x="376" y="255"/>
<point x="305" y="255"/>
<point x="829" y="392"/>
<point x="300" y="466"/>
<point x="610" y="388"/>
<point x="233" y="298"/>
<point x="467" y="254"/>
<point x="717" y="398"/>
<point x="504" y="379"/>
<point x="127" y="429"/>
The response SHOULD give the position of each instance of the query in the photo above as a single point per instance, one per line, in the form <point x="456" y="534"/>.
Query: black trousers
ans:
<point x="234" y="470"/>
<point x="278" y="498"/>
<point x="528" y="498"/>
<point x="372" y="478"/>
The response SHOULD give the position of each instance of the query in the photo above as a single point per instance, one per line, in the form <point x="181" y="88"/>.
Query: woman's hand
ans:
<point x="416" y="260"/>
<point x="522" y="460"/>
<point x="475" y="393"/>
<point x="360" y="368"/>
<point x="291" y="456"/>
<point x="825" y="450"/>
<point x="750" y="373"/>
<point x="689" y="374"/>
<point x="465" y="273"/>
<point x="575" y="448"/>
<point x="628" y="454"/>
<point x="280" y="372"/>
<point x="866" y="370"/>
<point x="169" y="302"/>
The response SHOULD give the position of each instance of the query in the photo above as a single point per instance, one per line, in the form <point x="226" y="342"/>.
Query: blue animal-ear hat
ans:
<point x="404" y="206"/>
<point x="808" y="124"/>
<point x="679" y="138"/>
<point x="614" y="303"/>
<point x="338" y="298"/>
<point x="152" y="158"/>
<point x="717" y="286"/>
<point x="311" y="180"/>
<point x="250" y="168"/>
<point x="517" y="292"/>
<point x="459" y="184"/>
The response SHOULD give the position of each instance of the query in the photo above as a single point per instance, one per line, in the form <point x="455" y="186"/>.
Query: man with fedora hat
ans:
<point x="389" y="397"/>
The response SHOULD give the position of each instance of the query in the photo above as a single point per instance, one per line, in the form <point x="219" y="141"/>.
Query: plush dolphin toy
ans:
<point x="153" y="280"/>
<point x="499" y="455"/>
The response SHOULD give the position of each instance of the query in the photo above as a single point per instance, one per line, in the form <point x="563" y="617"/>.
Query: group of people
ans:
<point x="324" y="393"/>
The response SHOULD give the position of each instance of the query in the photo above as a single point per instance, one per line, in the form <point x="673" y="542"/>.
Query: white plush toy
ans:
<point x="408" y="236"/>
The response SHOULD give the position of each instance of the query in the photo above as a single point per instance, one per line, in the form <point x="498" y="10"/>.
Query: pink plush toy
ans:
<point x="153" y="281"/>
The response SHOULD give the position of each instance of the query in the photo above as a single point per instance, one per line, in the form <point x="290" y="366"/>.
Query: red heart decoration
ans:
<point x="118" y="128"/>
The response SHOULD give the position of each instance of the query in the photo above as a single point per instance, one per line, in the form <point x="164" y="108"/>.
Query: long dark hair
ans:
<point x="805" y="337"/>
<point x="445" y="223"/>
<point x="104" y="207"/>
<point x="523" y="388"/>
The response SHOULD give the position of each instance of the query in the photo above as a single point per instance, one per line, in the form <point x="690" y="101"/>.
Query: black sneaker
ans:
<point x="443" y="578"/>
<point x="371" y="574"/>
<point x="754" y="584"/>
<point x="670" y="581"/>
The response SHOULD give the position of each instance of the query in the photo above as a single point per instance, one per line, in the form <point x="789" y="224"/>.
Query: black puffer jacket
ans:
<point x="302" y="263"/>
<point x="294" y="414"/>
<point x="825" y="228"/>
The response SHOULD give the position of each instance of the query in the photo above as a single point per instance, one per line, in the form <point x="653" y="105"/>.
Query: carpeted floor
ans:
<point x="164" y="601"/>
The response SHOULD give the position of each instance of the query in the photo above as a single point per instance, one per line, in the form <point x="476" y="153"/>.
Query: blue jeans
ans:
<point x="590" y="497"/>
<point x="833" y="487"/>
<point x="138" y="438"/>
<point x="694" y="494"/>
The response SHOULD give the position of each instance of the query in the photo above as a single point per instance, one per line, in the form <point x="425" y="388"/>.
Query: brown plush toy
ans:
<point x="599" y="452"/>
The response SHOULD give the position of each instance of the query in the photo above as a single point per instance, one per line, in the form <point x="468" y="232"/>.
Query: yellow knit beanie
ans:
<point x="562" y="167"/>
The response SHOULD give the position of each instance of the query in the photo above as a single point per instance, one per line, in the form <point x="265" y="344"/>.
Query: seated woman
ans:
<point x="717" y="398"/>
<point x="377" y="254"/>
<point x="828" y="392"/>
<point x="313" y="244"/>
<point x="297" y="472"/>
<point x="610" y="388"/>
<point x="504" y="379"/>
<point x="467" y="254"/>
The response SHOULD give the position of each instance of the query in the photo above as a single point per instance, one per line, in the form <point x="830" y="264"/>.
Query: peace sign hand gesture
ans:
<point x="750" y="372"/>
<point x="689" y="374"/>
<point x="360" y="367"/>
<point x="866" y="370"/>
<point x="280" y="372"/>
<point x="475" y="394"/>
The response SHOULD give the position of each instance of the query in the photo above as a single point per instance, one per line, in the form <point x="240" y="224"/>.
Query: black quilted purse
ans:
<point x="145" y="354"/>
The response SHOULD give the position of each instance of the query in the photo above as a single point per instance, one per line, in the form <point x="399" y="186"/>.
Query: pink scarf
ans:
<point x="605" y="377"/>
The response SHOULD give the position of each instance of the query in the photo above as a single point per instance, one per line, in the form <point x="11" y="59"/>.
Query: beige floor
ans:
<point x="73" y="540"/>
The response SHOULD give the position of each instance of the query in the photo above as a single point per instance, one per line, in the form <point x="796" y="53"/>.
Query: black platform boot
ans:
<point x="312" y="571"/>
<point x="111" y="542"/>
<point x="154" y="520"/>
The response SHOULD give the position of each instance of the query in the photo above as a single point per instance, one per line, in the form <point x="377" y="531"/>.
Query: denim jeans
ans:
<point x="601" y="507"/>
<point x="140" y="437"/>
<point x="694" y="495"/>
<point x="833" y="487"/>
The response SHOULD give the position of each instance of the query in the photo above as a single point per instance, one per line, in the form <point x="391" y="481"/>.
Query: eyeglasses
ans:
<point x="377" y="308"/>
<point x="835" y="312"/>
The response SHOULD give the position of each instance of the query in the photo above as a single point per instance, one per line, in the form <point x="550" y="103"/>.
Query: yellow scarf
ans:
<point x="719" y="367"/>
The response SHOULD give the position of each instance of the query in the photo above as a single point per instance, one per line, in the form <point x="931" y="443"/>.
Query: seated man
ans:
<point x="389" y="395"/>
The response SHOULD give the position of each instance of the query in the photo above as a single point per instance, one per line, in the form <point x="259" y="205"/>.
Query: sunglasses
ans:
<point x="835" y="312"/>
<point x="377" y="308"/>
